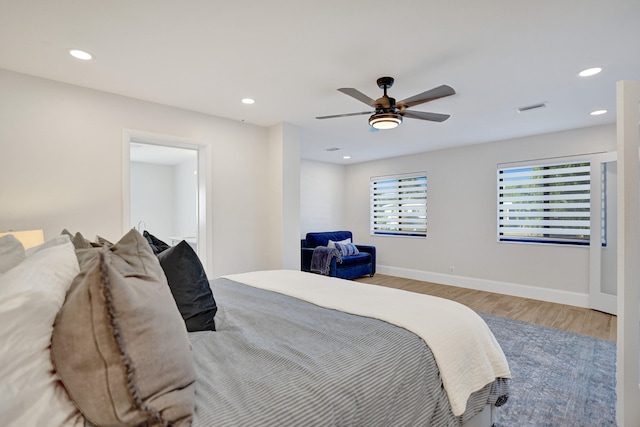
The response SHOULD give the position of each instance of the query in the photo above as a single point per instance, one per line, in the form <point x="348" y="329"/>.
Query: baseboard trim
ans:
<point x="575" y="299"/>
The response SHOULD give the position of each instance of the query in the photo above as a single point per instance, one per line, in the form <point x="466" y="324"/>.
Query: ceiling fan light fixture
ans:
<point x="385" y="120"/>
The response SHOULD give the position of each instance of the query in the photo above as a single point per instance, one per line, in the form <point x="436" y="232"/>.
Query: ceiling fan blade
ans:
<point x="345" y="115"/>
<point x="355" y="93"/>
<point x="430" y="95"/>
<point x="423" y="115"/>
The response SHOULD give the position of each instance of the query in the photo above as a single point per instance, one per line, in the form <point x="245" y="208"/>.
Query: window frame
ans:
<point x="575" y="217"/>
<point x="416" y="215"/>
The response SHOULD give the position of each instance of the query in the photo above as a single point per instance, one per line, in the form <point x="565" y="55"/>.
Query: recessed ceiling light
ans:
<point x="248" y="101"/>
<point x="346" y="157"/>
<point x="598" y="112"/>
<point x="590" y="72"/>
<point x="80" y="54"/>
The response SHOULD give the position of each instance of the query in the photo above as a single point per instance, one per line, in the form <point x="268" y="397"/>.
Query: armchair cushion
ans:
<point x="361" y="258"/>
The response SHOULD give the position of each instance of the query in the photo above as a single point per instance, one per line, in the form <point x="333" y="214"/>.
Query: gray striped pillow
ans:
<point x="347" y="249"/>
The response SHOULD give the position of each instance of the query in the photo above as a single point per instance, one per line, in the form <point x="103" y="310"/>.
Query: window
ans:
<point x="545" y="203"/>
<point x="399" y="205"/>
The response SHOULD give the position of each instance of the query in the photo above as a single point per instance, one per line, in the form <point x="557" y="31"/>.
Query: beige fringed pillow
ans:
<point x="119" y="343"/>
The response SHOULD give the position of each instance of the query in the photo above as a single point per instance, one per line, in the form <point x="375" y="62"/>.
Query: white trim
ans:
<point x="628" y="354"/>
<point x="576" y="158"/>
<point x="575" y="299"/>
<point x="126" y="182"/>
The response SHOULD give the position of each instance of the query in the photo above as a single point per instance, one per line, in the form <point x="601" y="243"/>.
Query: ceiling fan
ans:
<point x="388" y="114"/>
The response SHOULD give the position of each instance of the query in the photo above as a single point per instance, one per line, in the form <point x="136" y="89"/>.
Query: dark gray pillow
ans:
<point x="156" y="244"/>
<point x="189" y="286"/>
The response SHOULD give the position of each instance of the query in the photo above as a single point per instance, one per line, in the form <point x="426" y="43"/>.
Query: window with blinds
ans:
<point x="399" y="205"/>
<point x="545" y="203"/>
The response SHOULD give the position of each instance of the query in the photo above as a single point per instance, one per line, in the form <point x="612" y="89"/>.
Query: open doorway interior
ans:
<point x="164" y="191"/>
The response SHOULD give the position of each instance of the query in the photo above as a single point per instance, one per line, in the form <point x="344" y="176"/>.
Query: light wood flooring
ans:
<point x="573" y="319"/>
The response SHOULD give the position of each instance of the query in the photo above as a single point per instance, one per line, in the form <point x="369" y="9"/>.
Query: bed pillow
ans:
<point x="332" y="244"/>
<point x="31" y="293"/>
<point x="189" y="286"/>
<point x="78" y="240"/>
<point x="156" y="244"/>
<point x="119" y="343"/>
<point x="101" y="241"/>
<point x="12" y="252"/>
<point x="347" y="249"/>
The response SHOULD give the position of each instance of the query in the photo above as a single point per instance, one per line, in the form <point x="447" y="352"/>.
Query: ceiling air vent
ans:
<point x="332" y="149"/>
<point x="531" y="107"/>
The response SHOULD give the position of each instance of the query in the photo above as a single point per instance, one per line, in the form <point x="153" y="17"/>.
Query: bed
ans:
<point x="288" y="348"/>
<point x="312" y="365"/>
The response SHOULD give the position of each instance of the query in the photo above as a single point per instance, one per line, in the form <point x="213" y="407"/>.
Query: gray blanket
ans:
<point x="279" y="361"/>
<point x="321" y="259"/>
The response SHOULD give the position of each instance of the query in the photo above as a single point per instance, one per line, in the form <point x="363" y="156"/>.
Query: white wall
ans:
<point x="163" y="198"/>
<point x="322" y="187"/>
<point x="185" y="189"/>
<point x="153" y="199"/>
<point x="461" y="217"/>
<point x="61" y="165"/>
<point x="291" y="196"/>
<point x="281" y="209"/>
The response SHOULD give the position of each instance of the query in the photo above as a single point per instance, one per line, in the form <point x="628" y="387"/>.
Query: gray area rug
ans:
<point x="558" y="378"/>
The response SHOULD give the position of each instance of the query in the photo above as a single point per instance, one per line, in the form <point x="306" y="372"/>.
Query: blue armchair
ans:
<point x="351" y="267"/>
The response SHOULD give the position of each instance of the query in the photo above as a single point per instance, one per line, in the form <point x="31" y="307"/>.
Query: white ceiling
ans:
<point x="291" y="56"/>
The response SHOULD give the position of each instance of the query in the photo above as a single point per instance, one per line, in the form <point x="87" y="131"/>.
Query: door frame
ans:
<point x="628" y="344"/>
<point x="130" y="136"/>
<point x="598" y="300"/>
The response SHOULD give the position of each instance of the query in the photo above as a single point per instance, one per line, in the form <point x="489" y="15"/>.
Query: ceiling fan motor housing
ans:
<point x="385" y="82"/>
<point x="385" y="104"/>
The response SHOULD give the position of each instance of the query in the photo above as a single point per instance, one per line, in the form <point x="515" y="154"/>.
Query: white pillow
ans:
<point x="31" y="293"/>
<point x="332" y="244"/>
<point x="11" y="252"/>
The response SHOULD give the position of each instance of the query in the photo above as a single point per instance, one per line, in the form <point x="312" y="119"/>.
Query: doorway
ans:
<point x="165" y="189"/>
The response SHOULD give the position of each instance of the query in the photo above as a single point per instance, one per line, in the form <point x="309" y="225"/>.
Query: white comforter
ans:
<point x="467" y="353"/>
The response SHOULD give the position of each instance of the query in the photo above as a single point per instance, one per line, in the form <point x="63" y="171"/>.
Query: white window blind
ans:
<point x="399" y="205"/>
<point x="545" y="203"/>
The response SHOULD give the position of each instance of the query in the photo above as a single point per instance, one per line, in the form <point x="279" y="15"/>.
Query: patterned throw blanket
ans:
<point x="321" y="259"/>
